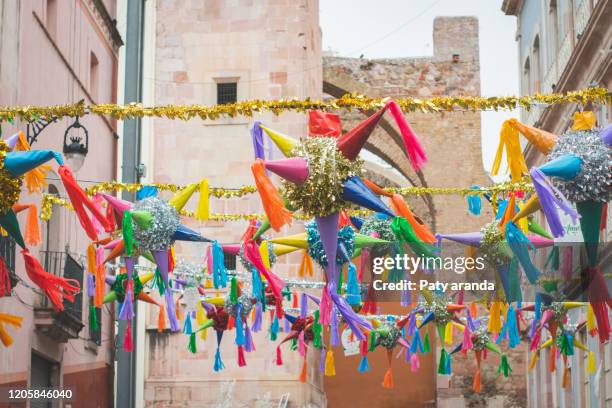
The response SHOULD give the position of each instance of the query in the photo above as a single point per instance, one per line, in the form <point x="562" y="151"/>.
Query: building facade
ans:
<point x="563" y="46"/>
<point x="59" y="52"/>
<point x="213" y="52"/>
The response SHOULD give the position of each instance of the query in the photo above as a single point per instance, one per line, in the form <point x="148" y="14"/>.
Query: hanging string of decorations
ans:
<point x="49" y="200"/>
<point x="347" y="102"/>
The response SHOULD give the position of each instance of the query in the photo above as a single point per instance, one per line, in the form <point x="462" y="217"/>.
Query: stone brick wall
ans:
<point x="272" y="49"/>
<point x="453" y="144"/>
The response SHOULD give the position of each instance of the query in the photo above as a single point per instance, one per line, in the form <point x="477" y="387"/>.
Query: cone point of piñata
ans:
<point x="538" y="229"/>
<point x="9" y="222"/>
<point x="362" y="241"/>
<point x="284" y="143"/>
<point x="355" y="191"/>
<point x="142" y="218"/>
<point x="292" y="169"/>
<point x="466" y="238"/>
<point x="11" y="141"/>
<point x="119" y="205"/>
<point x="265" y="225"/>
<point x="540" y="242"/>
<point x="542" y="140"/>
<point x="19" y="163"/>
<point x="184" y="233"/>
<point x="181" y="197"/>
<point x="280" y="249"/>
<point x="297" y="240"/>
<point x="566" y="166"/>
<point x="351" y="143"/>
<point x="531" y="206"/>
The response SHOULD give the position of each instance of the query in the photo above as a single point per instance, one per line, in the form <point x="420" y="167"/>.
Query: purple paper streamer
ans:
<point x="257" y="136"/>
<point x="171" y="311"/>
<point x="335" y="337"/>
<point x="90" y="285"/>
<point x="550" y="197"/>
<point x="258" y="318"/>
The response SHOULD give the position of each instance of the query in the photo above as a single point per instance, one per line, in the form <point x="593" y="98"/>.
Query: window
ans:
<point x="229" y="261"/>
<point x="53" y="241"/>
<point x="526" y="80"/>
<point x="536" y="71"/>
<point x="227" y="92"/>
<point x="74" y="270"/>
<point x="93" y="76"/>
<point x="51" y="17"/>
<point x="553" y="32"/>
<point x="43" y="374"/>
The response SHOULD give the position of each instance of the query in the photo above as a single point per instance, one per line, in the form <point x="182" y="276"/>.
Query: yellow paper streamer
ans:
<point x="509" y="141"/>
<point x="590" y="318"/>
<point x="203" y="210"/>
<point x="448" y="334"/>
<point x="330" y="367"/>
<point x="584" y="120"/>
<point x="264" y="253"/>
<point x="495" y="324"/>
<point x="591" y="363"/>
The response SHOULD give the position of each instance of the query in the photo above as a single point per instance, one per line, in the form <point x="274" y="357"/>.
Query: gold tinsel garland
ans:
<point x="347" y="102"/>
<point x="10" y="187"/>
<point x="49" y="200"/>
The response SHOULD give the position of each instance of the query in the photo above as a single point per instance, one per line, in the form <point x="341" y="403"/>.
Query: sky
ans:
<point x="403" y="28"/>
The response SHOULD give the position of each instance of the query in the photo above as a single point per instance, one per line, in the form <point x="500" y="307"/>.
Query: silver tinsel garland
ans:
<point x="594" y="182"/>
<point x="165" y="221"/>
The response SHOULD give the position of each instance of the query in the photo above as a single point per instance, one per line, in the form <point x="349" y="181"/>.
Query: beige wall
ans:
<point x="46" y="66"/>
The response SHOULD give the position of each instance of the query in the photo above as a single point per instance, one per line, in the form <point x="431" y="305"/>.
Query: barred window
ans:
<point x="227" y="92"/>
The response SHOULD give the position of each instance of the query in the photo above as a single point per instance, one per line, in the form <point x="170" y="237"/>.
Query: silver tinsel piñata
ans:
<point x="165" y="221"/>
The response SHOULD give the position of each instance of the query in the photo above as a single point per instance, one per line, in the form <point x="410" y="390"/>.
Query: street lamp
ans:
<point x="76" y="151"/>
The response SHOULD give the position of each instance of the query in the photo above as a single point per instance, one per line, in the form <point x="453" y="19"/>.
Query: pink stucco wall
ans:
<point x="47" y="63"/>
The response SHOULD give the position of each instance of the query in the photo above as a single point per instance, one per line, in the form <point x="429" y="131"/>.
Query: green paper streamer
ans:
<point x="93" y="318"/>
<point x="128" y="233"/>
<point x="404" y="232"/>
<point x="316" y="330"/>
<point x="372" y="341"/>
<point x="504" y="367"/>
<point x="234" y="290"/>
<point x="192" y="343"/>
<point x="9" y="222"/>
<point x="553" y="259"/>
<point x="442" y="364"/>
<point x="590" y="221"/>
<point x="426" y="346"/>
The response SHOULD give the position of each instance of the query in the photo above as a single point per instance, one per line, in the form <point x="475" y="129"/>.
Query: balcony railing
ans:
<point x="7" y="251"/>
<point x="64" y="265"/>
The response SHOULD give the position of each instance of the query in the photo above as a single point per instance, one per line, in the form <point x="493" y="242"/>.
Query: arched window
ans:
<point x="536" y="71"/>
<point x="526" y="80"/>
<point x="552" y="32"/>
<point x="52" y="240"/>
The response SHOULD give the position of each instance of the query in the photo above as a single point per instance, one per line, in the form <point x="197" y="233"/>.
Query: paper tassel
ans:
<point x="591" y="363"/>
<point x="504" y="367"/>
<point x="512" y="326"/>
<point x="590" y="321"/>
<point x="128" y="344"/>
<point x="252" y="254"/>
<point x="218" y="365"/>
<point x="279" y="357"/>
<point x="241" y="359"/>
<point x="5" y="281"/>
<point x="334" y="336"/>
<point x="551" y="198"/>
<point x="173" y="315"/>
<point x="12" y="320"/>
<point x="99" y="286"/>
<point x="426" y="344"/>
<point x="93" y="318"/>
<point x="495" y="317"/>
<point x="421" y="230"/>
<point x="414" y="362"/>
<point x="304" y="372"/>
<point x="161" y="319"/>
<point x="79" y="201"/>
<point x="388" y="380"/>
<point x="330" y="368"/>
<point x="127" y="307"/>
<point x="322" y="360"/>
<point x="474" y="202"/>
<point x="416" y="153"/>
<point x="520" y="245"/>
<point x="274" y="327"/>
<point x="192" y="343"/>
<point x="187" y="329"/>
<point x="448" y="334"/>
<point x="55" y="288"/>
<point x="305" y="268"/>
<point x="405" y="233"/>
<point x="234" y="290"/>
<point x="364" y="366"/>
<point x="275" y="209"/>
<point x="509" y="141"/>
<point x="416" y="344"/>
<point x="476" y="385"/>
<point x="467" y="339"/>
<point x="257" y="321"/>
<point x="442" y="363"/>
<point x="249" y="346"/>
